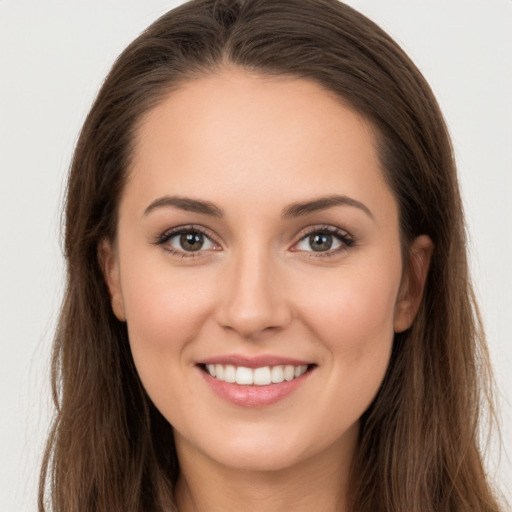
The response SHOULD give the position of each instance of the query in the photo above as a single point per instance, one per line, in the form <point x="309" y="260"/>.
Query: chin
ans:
<point x="260" y="458"/>
<point x="263" y="449"/>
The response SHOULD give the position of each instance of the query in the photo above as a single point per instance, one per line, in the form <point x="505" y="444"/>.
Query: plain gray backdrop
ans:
<point x="53" y="57"/>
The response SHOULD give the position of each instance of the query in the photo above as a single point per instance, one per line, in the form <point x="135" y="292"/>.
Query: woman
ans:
<point x="268" y="303"/>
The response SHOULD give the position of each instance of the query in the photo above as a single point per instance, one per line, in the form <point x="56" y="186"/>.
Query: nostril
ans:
<point x="255" y="322"/>
<point x="251" y="302"/>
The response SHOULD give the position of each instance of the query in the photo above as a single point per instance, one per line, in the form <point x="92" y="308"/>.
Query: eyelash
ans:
<point x="346" y="240"/>
<point x="171" y="233"/>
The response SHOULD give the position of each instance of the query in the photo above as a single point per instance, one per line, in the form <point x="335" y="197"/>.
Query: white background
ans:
<point x="53" y="57"/>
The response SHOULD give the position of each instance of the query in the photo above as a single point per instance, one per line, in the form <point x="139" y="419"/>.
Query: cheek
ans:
<point x="165" y="311"/>
<point x="354" y="310"/>
<point x="353" y="319"/>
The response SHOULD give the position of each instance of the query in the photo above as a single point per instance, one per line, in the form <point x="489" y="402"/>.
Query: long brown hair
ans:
<point x="110" y="449"/>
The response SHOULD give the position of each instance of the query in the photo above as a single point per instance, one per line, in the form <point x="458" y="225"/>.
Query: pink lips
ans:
<point x="253" y="362"/>
<point x="253" y="395"/>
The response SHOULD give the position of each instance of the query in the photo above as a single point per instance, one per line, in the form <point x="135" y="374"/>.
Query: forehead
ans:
<point x="235" y="134"/>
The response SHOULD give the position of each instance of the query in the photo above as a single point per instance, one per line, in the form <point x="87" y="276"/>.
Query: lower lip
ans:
<point x="254" y="396"/>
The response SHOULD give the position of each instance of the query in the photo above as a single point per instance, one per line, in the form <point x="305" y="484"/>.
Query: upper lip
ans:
<point x="254" y="361"/>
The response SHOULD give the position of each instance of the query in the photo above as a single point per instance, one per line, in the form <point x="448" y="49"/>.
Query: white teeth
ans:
<point x="229" y="373"/>
<point x="289" y="372"/>
<point x="244" y="375"/>
<point x="262" y="376"/>
<point x="299" y="370"/>
<point x="277" y="374"/>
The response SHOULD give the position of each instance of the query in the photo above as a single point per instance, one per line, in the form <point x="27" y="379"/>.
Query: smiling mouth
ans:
<point x="262" y="376"/>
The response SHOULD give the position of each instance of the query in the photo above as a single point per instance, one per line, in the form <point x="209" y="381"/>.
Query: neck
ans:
<point x="315" y="483"/>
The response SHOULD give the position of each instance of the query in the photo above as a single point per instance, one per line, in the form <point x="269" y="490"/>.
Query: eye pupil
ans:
<point x="320" y="242"/>
<point x="192" y="241"/>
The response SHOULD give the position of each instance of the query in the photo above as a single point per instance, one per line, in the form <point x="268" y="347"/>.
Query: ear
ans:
<point x="109" y="264"/>
<point x="413" y="283"/>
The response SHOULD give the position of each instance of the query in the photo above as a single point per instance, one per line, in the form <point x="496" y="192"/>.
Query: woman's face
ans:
<point x="258" y="242"/>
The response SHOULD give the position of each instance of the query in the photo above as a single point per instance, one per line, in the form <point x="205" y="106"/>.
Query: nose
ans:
<point x="254" y="299"/>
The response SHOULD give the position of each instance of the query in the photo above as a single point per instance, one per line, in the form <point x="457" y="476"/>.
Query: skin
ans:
<point x="252" y="146"/>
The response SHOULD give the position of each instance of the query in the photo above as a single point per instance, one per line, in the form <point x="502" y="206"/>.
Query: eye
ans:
<point x="324" y="240"/>
<point x="186" y="241"/>
<point x="190" y="241"/>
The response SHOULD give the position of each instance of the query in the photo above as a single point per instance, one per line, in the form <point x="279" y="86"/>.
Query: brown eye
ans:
<point x="187" y="241"/>
<point x="192" y="241"/>
<point x="327" y="239"/>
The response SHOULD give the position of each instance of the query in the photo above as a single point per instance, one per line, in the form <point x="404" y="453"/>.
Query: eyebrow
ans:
<point x="187" y="204"/>
<point x="323" y="203"/>
<point x="292" y="211"/>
